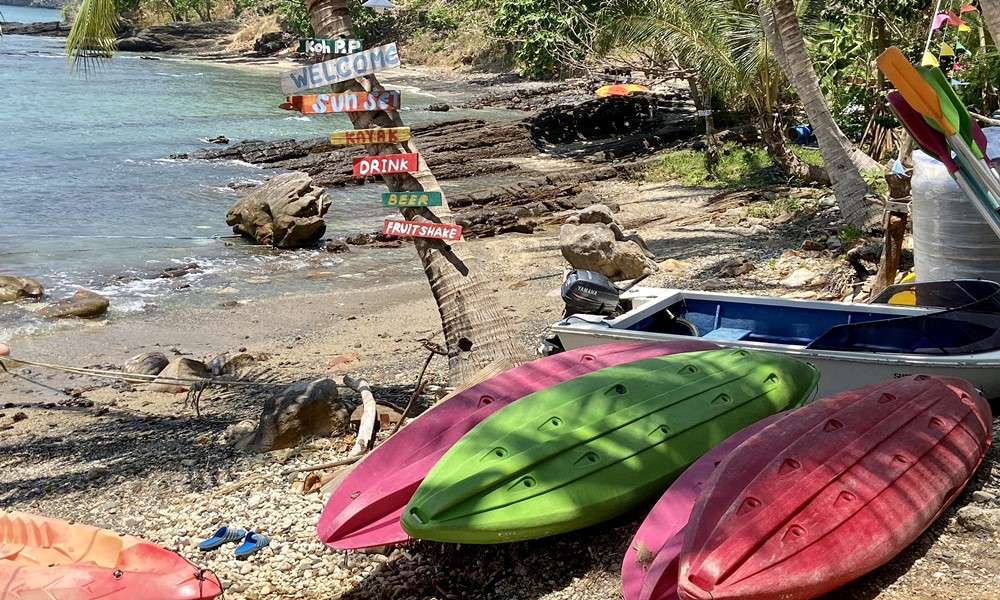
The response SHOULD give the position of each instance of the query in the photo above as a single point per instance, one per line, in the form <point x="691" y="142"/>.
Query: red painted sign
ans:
<point x="388" y="163"/>
<point x="317" y="104"/>
<point x="440" y="231"/>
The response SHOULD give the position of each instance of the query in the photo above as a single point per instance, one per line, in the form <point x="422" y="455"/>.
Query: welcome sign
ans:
<point x="340" y="69"/>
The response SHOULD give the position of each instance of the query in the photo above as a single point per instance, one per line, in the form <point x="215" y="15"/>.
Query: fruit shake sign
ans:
<point x="440" y="231"/>
<point x="340" y="69"/>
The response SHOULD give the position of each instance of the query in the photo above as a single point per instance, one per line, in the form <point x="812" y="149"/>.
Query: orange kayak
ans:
<point x="43" y="558"/>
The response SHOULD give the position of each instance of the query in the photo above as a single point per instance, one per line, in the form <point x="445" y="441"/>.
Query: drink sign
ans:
<point x="346" y="67"/>
<point x="330" y="45"/>
<point x="405" y="199"/>
<point x="382" y="135"/>
<point x="389" y="163"/>
<point x="440" y="231"/>
<point x="317" y="104"/>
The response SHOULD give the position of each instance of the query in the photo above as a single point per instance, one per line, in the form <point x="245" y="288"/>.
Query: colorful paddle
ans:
<point x="943" y="115"/>
<point x="934" y="144"/>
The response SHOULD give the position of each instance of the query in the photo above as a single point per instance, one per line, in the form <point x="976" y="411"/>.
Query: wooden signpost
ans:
<point x="440" y="231"/>
<point x="330" y="45"/>
<point x="382" y="135"/>
<point x="340" y="69"/>
<point x="388" y="163"/>
<point x="316" y="104"/>
<point x="405" y="199"/>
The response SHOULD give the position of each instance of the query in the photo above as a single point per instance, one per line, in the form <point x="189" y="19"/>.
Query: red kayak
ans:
<point x="42" y="558"/>
<point x="649" y="569"/>
<point x="365" y="508"/>
<point x="834" y="490"/>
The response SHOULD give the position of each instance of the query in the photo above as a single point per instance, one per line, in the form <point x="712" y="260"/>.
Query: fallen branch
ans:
<point x="366" y="431"/>
<point x="416" y="392"/>
<point x="330" y="465"/>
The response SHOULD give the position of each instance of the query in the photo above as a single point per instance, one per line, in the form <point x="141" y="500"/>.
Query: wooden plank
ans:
<point x="387" y="163"/>
<point x="343" y="68"/>
<point x="402" y="199"/>
<point x="439" y="231"/>
<point x="330" y="45"/>
<point x="381" y="135"/>
<point x="317" y="104"/>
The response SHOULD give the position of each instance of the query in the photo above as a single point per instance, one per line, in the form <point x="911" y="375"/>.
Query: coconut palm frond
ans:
<point x="91" y="41"/>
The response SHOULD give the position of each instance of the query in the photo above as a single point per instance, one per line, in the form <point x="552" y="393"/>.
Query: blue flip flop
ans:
<point x="251" y="543"/>
<point x="220" y="537"/>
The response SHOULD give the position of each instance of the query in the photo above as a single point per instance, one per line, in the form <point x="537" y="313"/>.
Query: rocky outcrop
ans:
<point x="593" y="241"/>
<point x="16" y="287"/>
<point x="177" y="377"/>
<point x="49" y="28"/>
<point x="36" y="3"/>
<point x="301" y="410"/>
<point x="84" y="304"/>
<point x="285" y="212"/>
<point x="204" y="39"/>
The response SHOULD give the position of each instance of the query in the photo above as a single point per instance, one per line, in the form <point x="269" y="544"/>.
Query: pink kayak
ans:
<point x="649" y="570"/>
<point x="365" y="508"/>
<point x="838" y="489"/>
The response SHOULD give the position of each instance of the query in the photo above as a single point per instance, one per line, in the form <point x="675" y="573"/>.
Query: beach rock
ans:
<point x="183" y="369"/>
<point x="15" y="287"/>
<point x="302" y="409"/>
<point x="147" y="363"/>
<point x="285" y="212"/>
<point x="4" y="349"/>
<point x="272" y="42"/>
<point x="592" y="246"/>
<point x="84" y="304"/>
<point x="977" y="518"/>
<point x="598" y="213"/>
<point x="224" y="364"/>
<point x="48" y="28"/>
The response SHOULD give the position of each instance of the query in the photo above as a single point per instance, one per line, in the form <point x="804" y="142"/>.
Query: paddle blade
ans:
<point x="952" y="107"/>
<point x="917" y="92"/>
<point x="930" y="140"/>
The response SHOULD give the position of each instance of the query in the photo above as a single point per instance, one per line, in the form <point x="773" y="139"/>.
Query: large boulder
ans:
<point x="15" y="287"/>
<point x="84" y="304"/>
<point x="594" y="242"/>
<point x="285" y="212"/>
<point x="303" y="409"/>
<point x="147" y="363"/>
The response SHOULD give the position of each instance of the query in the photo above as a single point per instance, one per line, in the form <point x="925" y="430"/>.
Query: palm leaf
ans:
<point x="91" y="41"/>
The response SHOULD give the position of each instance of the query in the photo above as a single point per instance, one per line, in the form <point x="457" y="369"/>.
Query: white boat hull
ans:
<point x="839" y="370"/>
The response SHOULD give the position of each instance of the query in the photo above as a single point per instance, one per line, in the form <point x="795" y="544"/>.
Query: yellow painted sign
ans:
<point x="407" y="199"/>
<point x="383" y="135"/>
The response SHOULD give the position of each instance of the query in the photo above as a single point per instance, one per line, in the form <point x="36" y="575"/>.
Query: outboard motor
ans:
<point x="590" y="293"/>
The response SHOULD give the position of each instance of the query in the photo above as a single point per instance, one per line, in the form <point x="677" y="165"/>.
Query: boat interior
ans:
<point x="963" y="318"/>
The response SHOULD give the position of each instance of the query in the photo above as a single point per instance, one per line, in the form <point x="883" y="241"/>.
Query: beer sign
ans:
<point x="389" y="163"/>
<point x="330" y="45"/>
<point x="440" y="231"/>
<point x="411" y="199"/>
<point x="317" y="104"/>
<point x="382" y="135"/>
<point x="350" y="66"/>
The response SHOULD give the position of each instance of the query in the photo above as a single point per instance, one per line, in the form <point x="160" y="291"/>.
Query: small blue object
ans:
<point x="251" y="543"/>
<point x="898" y="168"/>
<point x="220" y="537"/>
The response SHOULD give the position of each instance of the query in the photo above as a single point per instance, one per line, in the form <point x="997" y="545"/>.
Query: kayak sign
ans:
<point x="439" y="231"/>
<point x="318" y="104"/>
<point x="381" y="135"/>
<point x="330" y="46"/>
<point x="389" y="163"/>
<point x="406" y="199"/>
<point x="346" y="67"/>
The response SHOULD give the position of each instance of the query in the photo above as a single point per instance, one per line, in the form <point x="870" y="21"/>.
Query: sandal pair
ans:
<point x="251" y="540"/>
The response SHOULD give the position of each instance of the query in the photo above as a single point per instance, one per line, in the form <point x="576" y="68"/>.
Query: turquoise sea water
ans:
<point x="88" y="197"/>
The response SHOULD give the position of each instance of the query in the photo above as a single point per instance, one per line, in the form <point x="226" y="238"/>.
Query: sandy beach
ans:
<point x="116" y="455"/>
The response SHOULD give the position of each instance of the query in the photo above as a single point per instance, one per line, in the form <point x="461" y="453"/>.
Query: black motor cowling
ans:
<point x="590" y="293"/>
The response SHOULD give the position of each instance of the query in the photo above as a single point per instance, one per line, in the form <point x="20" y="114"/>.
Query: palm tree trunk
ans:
<point x="842" y="160"/>
<point x="787" y="161"/>
<point x="991" y="14"/>
<point x="475" y="331"/>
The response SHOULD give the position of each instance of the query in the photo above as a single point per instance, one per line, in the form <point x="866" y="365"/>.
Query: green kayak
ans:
<point x="593" y="447"/>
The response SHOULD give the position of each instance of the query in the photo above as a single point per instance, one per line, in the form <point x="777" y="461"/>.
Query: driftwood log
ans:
<point x="366" y="433"/>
